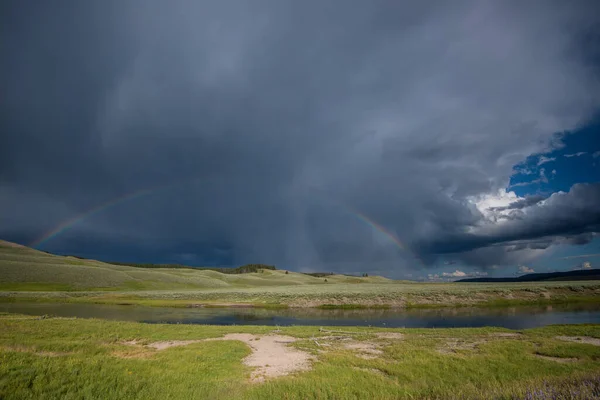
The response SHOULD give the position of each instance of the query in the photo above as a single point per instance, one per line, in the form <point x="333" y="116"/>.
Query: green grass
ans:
<point x="30" y="275"/>
<point x="25" y="269"/>
<point x="87" y="358"/>
<point x="340" y="295"/>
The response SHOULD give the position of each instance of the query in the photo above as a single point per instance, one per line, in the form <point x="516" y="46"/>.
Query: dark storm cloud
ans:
<point x="566" y="218"/>
<point x="267" y="124"/>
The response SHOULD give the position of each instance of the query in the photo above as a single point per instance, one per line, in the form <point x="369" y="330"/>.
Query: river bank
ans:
<point x="347" y="296"/>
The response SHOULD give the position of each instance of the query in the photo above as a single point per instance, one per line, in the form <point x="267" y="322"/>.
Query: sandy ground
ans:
<point x="171" y="343"/>
<point x="389" y="335"/>
<point x="366" y="350"/>
<point x="580" y="339"/>
<point x="506" y="334"/>
<point x="271" y="356"/>
<point x="454" y="345"/>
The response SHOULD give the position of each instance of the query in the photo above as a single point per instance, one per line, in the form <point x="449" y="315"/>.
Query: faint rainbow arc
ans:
<point x="99" y="208"/>
<point x="381" y="229"/>
<point x="140" y="193"/>
<point x="392" y="236"/>
<point x="87" y="214"/>
<point x="374" y="225"/>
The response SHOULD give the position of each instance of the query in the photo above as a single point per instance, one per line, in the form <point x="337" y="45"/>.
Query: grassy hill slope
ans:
<point x="26" y="269"/>
<point x="30" y="275"/>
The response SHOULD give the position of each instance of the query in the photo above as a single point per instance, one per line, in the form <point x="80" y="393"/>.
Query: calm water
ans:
<point x="511" y="317"/>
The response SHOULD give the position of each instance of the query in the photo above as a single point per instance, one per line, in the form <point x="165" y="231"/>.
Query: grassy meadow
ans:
<point x="70" y="358"/>
<point x="30" y="275"/>
<point x="47" y="358"/>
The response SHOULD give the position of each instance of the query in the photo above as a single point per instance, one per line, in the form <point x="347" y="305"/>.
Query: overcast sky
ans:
<point x="228" y="132"/>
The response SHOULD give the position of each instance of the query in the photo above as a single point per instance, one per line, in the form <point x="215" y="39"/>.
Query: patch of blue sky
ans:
<point x="577" y="161"/>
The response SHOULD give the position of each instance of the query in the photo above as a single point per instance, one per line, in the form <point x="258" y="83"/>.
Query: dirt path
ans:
<point x="271" y="356"/>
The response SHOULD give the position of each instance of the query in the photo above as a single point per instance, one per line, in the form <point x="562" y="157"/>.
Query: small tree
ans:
<point x="325" y="279"/>
<point x="287" y="272"/>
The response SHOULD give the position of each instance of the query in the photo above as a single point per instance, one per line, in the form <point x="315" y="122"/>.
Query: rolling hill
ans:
<point x="26" y="269"/>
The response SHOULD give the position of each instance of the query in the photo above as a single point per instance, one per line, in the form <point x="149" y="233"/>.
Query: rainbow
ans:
<point x="380" y="228"/>
<point x="65" y="226"/>
<point x="90" y="213"/>
<point x="383" y="230"/>
<point x="374" y="225"/>
<point x="101" y="207"/>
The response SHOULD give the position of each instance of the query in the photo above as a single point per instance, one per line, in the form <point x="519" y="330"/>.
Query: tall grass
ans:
<point x="74" y="358"/>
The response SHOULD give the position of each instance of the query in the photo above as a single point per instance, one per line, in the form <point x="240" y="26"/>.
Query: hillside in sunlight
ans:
<point x="24" y="268"/>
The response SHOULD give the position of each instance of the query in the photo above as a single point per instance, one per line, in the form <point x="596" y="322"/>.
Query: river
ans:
<point x="520" y="317"/>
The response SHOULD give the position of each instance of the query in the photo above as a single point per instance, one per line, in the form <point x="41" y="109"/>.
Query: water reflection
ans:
<point x="509" y="317"/>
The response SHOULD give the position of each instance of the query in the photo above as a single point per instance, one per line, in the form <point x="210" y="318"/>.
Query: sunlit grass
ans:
<point x="87" y="358"/>
<point x="30" y="275"/>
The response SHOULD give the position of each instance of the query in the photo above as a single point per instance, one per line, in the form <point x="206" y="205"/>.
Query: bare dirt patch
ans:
<point x="162" y="345"/>
<point x="390" y="335"/>
<point x="506" y="335"/>
<point x="562" y="360"/>
<point x="271" y="356"/>
<point x="366" y="350"/>
<point x="580" y="339"/>
<point x="171" y="343"/>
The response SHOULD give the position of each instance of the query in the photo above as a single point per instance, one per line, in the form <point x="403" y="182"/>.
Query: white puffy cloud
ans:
<point x="525" y="270"/>
<point x="455" y="274"/>
<point x="490" y="205"/>
<point x="522" y="230"/>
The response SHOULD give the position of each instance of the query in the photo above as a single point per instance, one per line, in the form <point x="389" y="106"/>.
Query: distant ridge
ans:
<point x="578" y="275"/>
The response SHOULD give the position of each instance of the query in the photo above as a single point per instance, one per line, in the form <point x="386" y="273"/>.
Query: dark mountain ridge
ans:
<point x="578" y="275"/>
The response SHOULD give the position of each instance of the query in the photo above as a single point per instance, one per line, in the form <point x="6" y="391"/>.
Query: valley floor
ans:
<point x="89" y="358"/>
<point x="334" y="295"/>
<point x="30" y="275"/>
